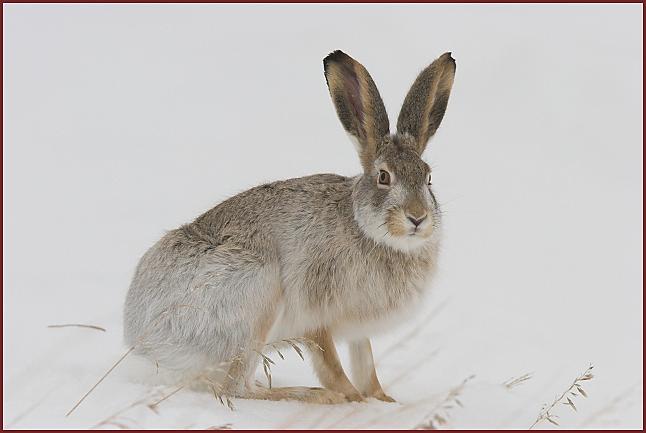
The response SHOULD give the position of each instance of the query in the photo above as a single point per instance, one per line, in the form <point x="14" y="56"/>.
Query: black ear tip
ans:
<point x="334" y="56"/>
<point x="447" y="59"/>
<point x="448" y="56"/>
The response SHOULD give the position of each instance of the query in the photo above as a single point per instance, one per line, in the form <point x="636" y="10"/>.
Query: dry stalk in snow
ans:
<point x="515" y="381"/>
<point x="566" y="398"/>
<point x="288" y="342"/>
<point x="118" y="420"/>
<point x="77" y="325"/>
<point x="155" y="404"/>
<point x="439" y="414"/>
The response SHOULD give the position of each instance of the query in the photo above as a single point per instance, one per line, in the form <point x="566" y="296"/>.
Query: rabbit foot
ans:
<point x="326" y="396"/>
<point x="380" y="395"/>
<point x="355" y="396"/>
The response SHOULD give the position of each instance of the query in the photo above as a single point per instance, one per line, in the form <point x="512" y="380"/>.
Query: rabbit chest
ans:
<point x="352" y="292"/>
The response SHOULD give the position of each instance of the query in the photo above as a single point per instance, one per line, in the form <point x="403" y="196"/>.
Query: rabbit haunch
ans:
<point x="315" y="257"/>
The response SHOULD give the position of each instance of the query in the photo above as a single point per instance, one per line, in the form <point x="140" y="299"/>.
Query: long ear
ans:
<point x="426" y="101"/>
<point x="357" y="103"/>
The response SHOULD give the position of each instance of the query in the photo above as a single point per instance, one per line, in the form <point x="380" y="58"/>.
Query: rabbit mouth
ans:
<point x="422" y="232"/>
<point x="416" y="232"/>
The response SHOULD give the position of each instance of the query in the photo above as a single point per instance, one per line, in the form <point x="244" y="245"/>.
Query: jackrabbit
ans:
<point x="314" y="257"/>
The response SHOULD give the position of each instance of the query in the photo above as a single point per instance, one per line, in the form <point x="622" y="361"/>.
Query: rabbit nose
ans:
<point x="416" y="221"/>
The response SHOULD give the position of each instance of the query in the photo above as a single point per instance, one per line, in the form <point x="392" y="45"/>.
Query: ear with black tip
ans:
<point x="424" y="106"/>
<point x="358" y="104"/>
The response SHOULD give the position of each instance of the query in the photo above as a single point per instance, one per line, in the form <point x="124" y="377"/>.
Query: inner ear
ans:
<point x="358" y="103"/>
<point x="352" y="90"/>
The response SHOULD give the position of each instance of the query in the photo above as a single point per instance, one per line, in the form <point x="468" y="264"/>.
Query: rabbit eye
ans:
<point x="429" y="179"/>
<point x="383" y="178"/>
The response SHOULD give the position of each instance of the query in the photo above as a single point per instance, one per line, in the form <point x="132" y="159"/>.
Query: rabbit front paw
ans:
<point x="380" y="395"/>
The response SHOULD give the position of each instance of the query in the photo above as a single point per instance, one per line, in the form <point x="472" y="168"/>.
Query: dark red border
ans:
<point x="257" y="2"/>
<point x="325" y="2"/>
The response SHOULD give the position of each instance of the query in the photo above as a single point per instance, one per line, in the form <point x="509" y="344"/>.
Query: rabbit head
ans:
<point x="393" y="200"/>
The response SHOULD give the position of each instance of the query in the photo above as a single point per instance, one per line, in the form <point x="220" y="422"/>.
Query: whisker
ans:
<point x="444" y="203"/>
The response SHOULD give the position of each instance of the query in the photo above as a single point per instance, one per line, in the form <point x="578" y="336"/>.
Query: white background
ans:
<point x="123" y="121"/>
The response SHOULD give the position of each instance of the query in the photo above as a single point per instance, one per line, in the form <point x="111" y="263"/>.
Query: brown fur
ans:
<point x="302" y="393"/>
<point x="396" y="223"/>
<point x="425" y="103"/>
<point x="328" y="366"/>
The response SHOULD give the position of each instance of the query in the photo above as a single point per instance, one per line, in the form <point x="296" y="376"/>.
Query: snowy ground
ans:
<point x="125" y="121"/>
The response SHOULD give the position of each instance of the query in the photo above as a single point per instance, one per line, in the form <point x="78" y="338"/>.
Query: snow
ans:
<point x="123" y="121"/>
